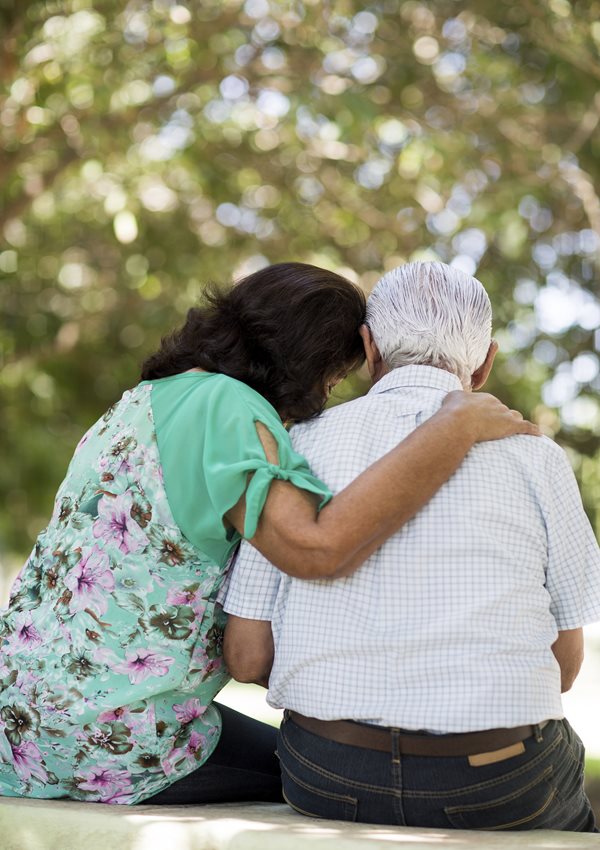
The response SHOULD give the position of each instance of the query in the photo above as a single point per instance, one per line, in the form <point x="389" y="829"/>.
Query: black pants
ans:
<point x="243" y="767"/>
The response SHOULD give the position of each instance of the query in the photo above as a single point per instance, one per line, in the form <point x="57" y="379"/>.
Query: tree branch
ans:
<point x="553" y="43"/>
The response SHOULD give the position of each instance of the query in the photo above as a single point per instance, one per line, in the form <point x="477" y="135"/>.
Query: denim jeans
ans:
<point x="541" y="788"/>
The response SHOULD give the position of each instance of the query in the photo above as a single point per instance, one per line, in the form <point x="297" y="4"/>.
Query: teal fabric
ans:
<point x="209" y="446"/>
<point x="110" y="649"/>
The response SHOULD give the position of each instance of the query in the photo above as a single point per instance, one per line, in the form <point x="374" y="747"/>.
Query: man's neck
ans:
<point x="383" y="369"/>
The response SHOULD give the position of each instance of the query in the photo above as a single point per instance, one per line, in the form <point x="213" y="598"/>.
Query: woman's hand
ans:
<point x="486" y="418"/>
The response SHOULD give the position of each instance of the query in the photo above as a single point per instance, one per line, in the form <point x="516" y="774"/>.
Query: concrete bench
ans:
<point x="64" y="825"/>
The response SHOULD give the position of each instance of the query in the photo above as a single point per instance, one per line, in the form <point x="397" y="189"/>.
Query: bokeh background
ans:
<point x="148" y="147"/>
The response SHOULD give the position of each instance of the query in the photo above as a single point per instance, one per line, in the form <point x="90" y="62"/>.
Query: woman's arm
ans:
<point x="306" y="543"/>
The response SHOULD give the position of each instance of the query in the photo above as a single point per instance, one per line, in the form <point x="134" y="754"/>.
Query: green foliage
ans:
<point x="151" y="146"/>
<point x="592" y="768"/>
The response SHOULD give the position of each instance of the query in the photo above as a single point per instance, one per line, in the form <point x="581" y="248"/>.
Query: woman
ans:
<point x="111" y="643"/>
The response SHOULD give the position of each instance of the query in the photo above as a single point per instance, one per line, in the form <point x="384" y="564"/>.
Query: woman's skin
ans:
<point x="306" y="543"/>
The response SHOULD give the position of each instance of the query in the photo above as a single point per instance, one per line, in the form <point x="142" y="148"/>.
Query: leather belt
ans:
<point x="380" y="738"/>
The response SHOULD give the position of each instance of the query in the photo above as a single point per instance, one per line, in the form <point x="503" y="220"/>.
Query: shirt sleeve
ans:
<point x="253" y="585"/>
<point x="573" y="571"/>
<point x="212" y="455"/>
<point x="234" y="461"/>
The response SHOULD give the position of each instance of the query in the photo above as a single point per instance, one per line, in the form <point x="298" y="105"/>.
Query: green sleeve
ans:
<point x="209" y="447"/>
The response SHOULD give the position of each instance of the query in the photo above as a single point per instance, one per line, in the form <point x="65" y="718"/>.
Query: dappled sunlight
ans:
<point x="43" y="824"/>
<point x="158" y="835"/>
<point x="237" y="826"/>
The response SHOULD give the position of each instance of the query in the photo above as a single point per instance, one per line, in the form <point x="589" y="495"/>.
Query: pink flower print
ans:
<point x="119" y="798"/>
<point x="26" y="632"/>
<point x="110" y="785"/>
<point x="191" y="753"/>
<point x="178" y="596"/>
<point x="213" y="666"/>
<point x="27" y="760"/>
<point x="83" y="441"/>
<point x="116" y="525"/>
<point x="116" y="715"/>
<point x="90" y="581"/>
<point x="195" y="746"/>
<point x="187" y="596"/>
<point x="199" y="657"/>
<point x="167" y="764"/>
<point x="142" y="663"/>
<point x="26" y="682"/>
<point x="189" y="710"/>
<point x="25" y="635"/>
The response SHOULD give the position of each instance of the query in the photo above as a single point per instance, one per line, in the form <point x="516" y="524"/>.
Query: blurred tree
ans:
<point x="150" y="146"/>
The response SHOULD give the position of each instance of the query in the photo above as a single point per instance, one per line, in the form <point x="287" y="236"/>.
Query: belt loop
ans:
<point x="396" y="744"/>
<point x="537" y="731"/>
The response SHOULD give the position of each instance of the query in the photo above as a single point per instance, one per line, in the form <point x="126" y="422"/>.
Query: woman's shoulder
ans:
<point x="244" y="392"/>
<point x="220" y="402"/>
<point x="214" y="388"/>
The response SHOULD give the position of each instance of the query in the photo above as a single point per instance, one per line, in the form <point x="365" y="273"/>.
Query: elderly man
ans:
<point x="425" y="689"/>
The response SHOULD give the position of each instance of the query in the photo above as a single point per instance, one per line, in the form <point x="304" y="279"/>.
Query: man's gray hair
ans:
<point x="431" y="314"/>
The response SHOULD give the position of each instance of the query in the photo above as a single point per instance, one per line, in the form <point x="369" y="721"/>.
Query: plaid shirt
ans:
<point x="448" y="627"/>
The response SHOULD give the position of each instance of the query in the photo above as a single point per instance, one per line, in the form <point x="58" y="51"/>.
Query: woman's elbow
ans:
<point x="306" y="561"/>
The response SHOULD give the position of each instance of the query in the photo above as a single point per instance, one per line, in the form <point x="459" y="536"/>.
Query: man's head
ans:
<point x="430" y="314"/>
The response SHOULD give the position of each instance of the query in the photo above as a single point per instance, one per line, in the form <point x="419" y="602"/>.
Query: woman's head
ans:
<point x="286" y="331"/>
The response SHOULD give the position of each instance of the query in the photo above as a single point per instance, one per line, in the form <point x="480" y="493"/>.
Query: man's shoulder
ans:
<point x="539" y="453"/>
<point x="542" y="446"/>
<point x="334" y="419"/>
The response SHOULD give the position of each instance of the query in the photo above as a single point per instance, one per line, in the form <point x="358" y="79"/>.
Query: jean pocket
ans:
<point x="525" y="807"/>
<point x="316" y="802"/>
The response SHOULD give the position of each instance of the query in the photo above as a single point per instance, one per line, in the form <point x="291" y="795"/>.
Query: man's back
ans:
<point x="466" y="624"/>
<point x="449" y="626"/>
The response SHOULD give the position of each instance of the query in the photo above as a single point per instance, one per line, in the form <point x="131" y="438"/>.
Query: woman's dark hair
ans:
<point x="284" y="331"/>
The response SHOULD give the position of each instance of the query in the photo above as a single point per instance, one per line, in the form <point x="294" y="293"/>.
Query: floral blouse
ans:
<point x="110" y="649"/>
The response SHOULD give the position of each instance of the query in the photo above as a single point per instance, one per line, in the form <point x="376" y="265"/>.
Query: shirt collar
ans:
<point x="418" y="376"/>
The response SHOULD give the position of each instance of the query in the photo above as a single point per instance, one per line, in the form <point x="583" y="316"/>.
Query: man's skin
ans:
<point x="248" y="646"/>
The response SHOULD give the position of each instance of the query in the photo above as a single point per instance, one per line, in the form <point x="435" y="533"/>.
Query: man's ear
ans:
<point x="480" y="376"/>
<point x="374" y="360"/>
